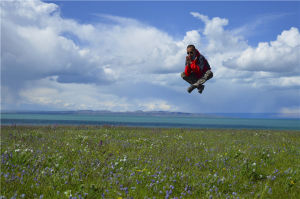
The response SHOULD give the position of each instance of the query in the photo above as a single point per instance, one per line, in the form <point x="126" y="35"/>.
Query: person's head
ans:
<point x="191" y="51"/>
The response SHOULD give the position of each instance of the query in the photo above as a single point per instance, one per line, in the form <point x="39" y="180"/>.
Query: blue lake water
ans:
<point x="147" y="121"/>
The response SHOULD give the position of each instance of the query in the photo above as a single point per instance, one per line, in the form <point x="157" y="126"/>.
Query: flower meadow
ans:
<point x="127" y="162"/>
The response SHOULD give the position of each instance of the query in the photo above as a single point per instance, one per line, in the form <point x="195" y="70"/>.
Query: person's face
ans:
<point x="190" y="52"/>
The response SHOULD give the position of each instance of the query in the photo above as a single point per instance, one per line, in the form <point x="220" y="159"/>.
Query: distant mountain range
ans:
<point x="163" y="113"/>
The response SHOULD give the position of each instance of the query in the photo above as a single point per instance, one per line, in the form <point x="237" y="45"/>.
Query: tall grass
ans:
<point x="120" y="162"/>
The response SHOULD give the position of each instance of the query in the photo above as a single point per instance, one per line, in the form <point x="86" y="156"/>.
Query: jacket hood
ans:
<point x="197" y="54"/>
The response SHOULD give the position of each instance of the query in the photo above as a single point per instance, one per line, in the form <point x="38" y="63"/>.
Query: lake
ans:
<point x="137" y="120"/>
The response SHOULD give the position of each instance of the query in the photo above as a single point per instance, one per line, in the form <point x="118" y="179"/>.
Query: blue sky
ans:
<point x="269" y="18"/>
<point x="128" y="56"/>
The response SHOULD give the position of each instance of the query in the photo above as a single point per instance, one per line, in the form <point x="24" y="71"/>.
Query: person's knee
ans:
<point x="183" y="75"/>
<point x="210" y="74"/>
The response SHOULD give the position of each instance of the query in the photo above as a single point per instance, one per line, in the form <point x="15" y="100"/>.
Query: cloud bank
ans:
<point x="124" y="65"/>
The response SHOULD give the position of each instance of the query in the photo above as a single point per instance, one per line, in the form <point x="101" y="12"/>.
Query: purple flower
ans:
<point x="270" y="191"/>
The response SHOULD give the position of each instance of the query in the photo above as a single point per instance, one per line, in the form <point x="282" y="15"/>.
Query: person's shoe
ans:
<point x="191" y="88"/>
<point x="200" y="88"/>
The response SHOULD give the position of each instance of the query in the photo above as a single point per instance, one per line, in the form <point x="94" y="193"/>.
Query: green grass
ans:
<point x="119" y="162"/>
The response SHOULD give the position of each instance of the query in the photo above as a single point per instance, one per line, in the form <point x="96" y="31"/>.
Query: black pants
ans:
<point x="192" y="78"/>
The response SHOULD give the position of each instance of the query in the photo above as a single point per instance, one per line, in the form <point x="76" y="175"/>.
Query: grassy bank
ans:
<point x="119" y="162"/>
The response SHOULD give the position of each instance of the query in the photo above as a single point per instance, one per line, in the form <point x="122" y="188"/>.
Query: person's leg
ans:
<point x="208" y="75"/>
<point x="192" y="79"/>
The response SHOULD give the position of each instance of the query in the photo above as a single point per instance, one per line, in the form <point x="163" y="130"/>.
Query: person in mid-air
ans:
<point x="197" y="69"/>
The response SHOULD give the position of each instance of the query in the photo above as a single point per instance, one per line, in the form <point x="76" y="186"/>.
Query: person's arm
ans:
<point x="201" y="62"/>
<point x="188" y="69"/>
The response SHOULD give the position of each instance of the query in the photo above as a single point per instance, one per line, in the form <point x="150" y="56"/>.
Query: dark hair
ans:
<point x="191" y="46"/>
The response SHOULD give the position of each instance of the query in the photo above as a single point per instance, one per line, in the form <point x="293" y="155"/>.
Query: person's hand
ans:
<point x="188" y="60"/>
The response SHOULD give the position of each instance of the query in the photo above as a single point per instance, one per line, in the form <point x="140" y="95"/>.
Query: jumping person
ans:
<point x="197" y="69"/>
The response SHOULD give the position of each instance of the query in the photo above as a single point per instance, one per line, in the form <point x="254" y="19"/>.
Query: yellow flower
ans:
<point x="292" y="182"/>
<point x="119" y="197"/>
<point x="224" y="169"/>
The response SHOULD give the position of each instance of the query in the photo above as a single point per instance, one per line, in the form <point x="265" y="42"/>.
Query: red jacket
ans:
<point x="199" y="66"/>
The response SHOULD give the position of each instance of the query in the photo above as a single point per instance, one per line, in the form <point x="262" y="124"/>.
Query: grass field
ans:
<point x="119" y="162"/>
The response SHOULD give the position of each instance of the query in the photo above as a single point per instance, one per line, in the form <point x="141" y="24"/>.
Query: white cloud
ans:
<point x="292" y="112"/>
<point x="38" y="43"/>
<point x="279" y="56"/>
<point x="270" y="64"/>
<point x="219" y="39"/>
<point x="154" y="105"/>
<point x="58" y="95"/>
<point x="122" y="64"/>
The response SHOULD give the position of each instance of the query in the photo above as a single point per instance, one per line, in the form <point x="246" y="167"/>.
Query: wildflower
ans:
<point x="234" y="193"/>
<point x="68" y="193"/>
<point x="292" y="182"/>
<point x="287" y="171"/>
<point x="273" y="178"/>
<point x="270" y="190"/>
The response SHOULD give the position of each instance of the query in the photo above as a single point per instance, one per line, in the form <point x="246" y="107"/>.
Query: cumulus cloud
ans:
<point x="270" y="64"/>
<point x="279" y="56"/>
<point x="219" y="40"/>
<point x="122" y="64"/>
<point x="290" y="112"/>
<point x="37" y="43"/>
<point x="51" y="93"/>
